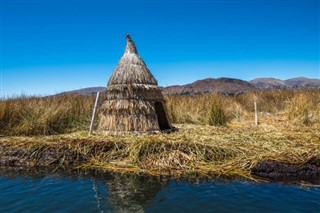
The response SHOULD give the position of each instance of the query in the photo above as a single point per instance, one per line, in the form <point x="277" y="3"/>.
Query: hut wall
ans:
<point x="134" y="91"/>
<point x="129" y="115"/>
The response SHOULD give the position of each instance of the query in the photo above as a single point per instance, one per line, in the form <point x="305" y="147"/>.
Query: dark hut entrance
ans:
<point x="162" y="117"/>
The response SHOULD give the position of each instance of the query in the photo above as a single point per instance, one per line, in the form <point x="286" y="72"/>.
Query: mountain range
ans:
<point x="273" y="83"/>
<point x="225" y="86"/>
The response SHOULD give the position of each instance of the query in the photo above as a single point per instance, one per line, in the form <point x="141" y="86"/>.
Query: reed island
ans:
<point x="140" y="130"/>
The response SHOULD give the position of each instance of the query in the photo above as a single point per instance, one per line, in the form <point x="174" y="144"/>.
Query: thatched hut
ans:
<point x="133" y="100"/>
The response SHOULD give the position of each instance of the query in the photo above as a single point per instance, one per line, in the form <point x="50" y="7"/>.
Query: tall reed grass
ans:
<point x="301" y="106"/>
<point x="45" y="115"/>
<point x="68" y="113"/>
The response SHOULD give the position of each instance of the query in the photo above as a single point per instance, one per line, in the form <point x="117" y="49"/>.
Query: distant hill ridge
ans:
<point x="273" y="83"/>
<point x="225" y="86"/>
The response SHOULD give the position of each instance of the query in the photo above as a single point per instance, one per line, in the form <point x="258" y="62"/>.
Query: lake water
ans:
<point x="101" y="192"/>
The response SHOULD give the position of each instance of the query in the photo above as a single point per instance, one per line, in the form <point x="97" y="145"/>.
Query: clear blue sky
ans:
<point x="52" y="46"/>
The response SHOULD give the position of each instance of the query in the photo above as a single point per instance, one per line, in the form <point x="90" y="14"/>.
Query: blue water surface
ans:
<point x="133" y="193"/>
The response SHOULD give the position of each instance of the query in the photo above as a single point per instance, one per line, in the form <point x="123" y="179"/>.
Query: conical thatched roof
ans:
<point x="133" y="100"/>
<point x="131" y="68"/>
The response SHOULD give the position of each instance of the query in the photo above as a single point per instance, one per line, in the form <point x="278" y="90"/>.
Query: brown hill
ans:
<point x="269" y="83"/>
<point x="225" y="86"/>
<point x="85" y="91"/>
<point x="303" y="83"/>
<point x="272" y="83"/>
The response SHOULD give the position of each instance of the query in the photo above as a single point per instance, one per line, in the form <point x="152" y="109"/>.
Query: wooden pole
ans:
<point x="256" y="119"/>
<point x="94" y="113"/>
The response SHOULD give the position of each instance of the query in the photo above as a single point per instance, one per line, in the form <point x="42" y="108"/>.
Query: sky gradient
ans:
<point x="53" y="46"/>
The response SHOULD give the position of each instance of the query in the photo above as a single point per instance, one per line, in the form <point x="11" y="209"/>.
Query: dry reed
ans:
<point x="292" y="103"/>
<point x="45" y="115"/>
<point x="68" y="113"/>
<point x="195" y="149"/>
<point x="283" y="135"/>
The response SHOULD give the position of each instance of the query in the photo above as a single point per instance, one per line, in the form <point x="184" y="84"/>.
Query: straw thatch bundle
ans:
<point x="133" y="100"/>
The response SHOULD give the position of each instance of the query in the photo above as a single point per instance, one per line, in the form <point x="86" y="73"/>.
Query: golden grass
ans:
<point x="196" y="149"/>
<point x="69" y="113"/>
<point x="299" y="106"/>
<point x="289" y="131"/>
<point x="45" y="115"/>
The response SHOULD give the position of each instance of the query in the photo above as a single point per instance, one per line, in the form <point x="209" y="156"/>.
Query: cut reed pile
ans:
<point x="195" y="149"/>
